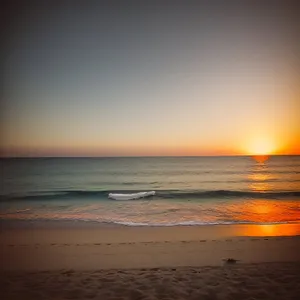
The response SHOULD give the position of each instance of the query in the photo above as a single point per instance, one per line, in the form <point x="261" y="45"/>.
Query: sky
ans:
<point x="135" y="78"/>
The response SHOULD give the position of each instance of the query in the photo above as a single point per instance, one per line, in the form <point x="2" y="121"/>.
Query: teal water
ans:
<point x="189" y="190"/>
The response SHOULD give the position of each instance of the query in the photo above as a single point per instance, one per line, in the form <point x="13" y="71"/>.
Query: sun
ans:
<point x="261" y="146"/>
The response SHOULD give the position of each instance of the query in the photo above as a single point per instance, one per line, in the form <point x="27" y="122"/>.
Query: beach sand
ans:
<point x="117" y="262"/>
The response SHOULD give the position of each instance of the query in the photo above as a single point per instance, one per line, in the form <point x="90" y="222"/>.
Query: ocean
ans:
<point x="188" y="190"/>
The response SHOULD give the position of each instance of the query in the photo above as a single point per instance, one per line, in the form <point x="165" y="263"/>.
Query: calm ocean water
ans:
<point x="189" y="190"/>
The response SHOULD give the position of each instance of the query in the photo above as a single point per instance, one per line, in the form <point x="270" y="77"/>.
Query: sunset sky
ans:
<point x="118" y="78"/>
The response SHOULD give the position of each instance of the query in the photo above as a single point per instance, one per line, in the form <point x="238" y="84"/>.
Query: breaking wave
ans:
<point x="159" y="194"/>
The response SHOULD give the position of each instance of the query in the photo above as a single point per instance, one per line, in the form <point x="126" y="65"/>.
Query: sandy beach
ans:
<point x="117" y="262"/>
<point x="250" y="281"/>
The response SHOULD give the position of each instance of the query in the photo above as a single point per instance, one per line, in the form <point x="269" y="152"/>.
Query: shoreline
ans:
<point x="226" y="230"/>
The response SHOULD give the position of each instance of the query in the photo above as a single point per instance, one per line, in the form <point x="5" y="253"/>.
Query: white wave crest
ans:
<point x="133" y="196"/>
<point x="186" y="223"/>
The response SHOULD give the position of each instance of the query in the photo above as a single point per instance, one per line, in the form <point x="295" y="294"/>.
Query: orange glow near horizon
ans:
<point x="261" y="146"/>
<point x="259" y="149"/>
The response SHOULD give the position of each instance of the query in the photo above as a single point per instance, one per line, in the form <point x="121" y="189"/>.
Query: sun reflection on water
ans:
<point x="270" y="230"/>
<point x="260" y="175"/>
<point x="261" y="158"/>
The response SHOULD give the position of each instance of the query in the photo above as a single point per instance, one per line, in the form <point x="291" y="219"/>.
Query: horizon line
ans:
<point x="149" y="156"/>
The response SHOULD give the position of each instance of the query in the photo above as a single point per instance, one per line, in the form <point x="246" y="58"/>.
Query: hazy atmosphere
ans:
<point x="118" y="78"/>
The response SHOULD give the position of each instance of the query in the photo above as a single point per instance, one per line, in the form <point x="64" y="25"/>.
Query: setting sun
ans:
<point x="262" y="146"/>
